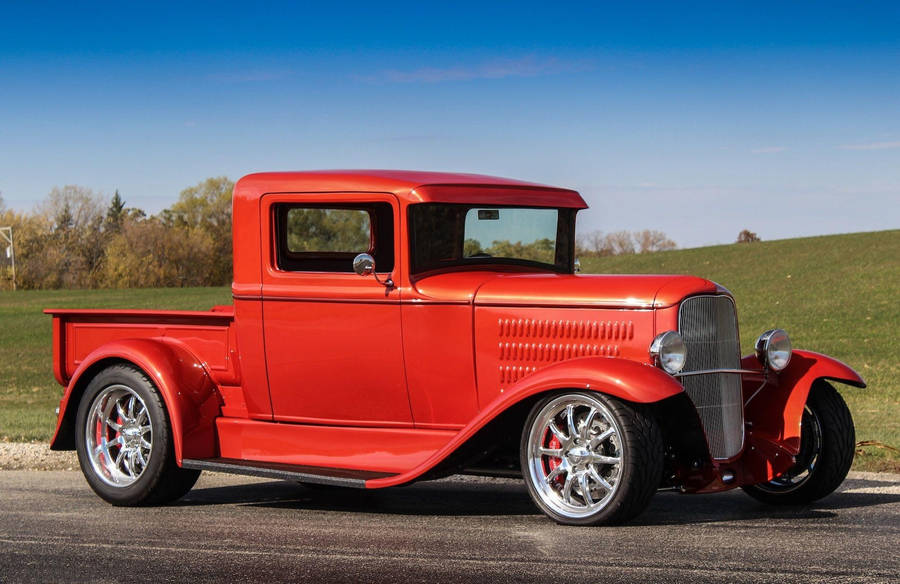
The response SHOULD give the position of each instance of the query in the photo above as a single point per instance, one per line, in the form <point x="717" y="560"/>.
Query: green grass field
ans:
<point x="834" y="294"/>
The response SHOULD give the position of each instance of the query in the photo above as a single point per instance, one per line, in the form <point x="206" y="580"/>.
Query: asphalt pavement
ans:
<point x="229" y="528"/>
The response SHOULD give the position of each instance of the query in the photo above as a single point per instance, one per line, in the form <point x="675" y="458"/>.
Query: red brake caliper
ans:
<point x="552" y="461"/>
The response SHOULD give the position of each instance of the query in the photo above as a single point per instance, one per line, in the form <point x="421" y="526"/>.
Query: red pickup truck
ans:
<point x="394" y="326"/>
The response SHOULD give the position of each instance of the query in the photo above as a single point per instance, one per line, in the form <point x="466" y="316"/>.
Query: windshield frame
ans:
<point x="564" y="253"/>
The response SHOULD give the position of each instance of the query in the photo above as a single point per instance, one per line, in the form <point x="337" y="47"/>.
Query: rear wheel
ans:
<point x="124" y="441"/>
<point x="590" y="459"/>
<point x="827" y="441"/>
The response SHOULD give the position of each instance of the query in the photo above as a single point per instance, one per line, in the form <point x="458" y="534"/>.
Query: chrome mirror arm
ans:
<point x="387" y="283"/>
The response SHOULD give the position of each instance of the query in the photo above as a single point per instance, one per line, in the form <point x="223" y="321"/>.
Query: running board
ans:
<point x="339" y="477"/>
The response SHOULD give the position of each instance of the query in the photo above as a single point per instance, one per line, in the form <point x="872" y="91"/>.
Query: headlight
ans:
<point x="773" y="348"/>
<point x="668" y="351"/>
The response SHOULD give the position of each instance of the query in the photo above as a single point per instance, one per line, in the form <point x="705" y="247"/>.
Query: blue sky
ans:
<point x="698" y="119"/>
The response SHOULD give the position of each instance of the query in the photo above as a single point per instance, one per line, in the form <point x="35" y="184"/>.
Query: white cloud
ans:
<point x="768" y="150"/>
<point x="494" y="69"/>
<point x="871" y="146"/>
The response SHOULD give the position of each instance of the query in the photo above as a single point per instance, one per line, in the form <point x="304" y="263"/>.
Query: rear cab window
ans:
<point x="326" y="238"/>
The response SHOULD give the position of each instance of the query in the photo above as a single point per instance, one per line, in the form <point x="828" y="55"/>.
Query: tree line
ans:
<point x="598" y="243"/>
<point x="76" y="239"/>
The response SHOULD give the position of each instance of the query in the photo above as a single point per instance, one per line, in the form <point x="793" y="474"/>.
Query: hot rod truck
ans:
<point x="392" y="326"/>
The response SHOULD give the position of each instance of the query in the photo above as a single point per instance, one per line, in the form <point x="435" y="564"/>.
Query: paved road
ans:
<point x="53" y="529"/>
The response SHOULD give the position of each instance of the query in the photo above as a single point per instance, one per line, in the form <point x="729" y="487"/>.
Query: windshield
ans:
<point x="446" y="235"/>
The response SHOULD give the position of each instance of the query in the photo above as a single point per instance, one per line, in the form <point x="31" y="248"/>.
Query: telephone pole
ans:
<point x="6" y="232"/>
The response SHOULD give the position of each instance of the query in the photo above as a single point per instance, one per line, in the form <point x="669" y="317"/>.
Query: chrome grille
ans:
<point x="708" y="325"/>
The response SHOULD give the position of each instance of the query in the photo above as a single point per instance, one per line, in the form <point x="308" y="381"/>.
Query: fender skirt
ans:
<point x="621" y="378"/>
<point x="191" y="400"/>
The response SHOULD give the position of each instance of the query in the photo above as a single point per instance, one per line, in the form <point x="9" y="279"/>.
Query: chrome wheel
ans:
<point x="118" y="436"/>
<point x="575" y="455"/>
<point x="810" y="447"/>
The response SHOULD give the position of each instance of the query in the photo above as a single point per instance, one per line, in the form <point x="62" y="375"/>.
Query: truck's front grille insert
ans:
<point x="709" y="327"/>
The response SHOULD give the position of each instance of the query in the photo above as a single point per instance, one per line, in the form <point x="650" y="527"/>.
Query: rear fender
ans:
<point x="775" y="412"/>
<point x="621" y="378"/>
<point x="190" y="396"/>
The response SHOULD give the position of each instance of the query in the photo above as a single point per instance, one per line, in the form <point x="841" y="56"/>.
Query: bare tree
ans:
<point x="594" y="242"/>
<point x="620" y="242"/>
<point x="74" y="246"/>
<point x="651" y="240"/>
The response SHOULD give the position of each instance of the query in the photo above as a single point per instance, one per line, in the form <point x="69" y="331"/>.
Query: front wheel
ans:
<point x="590" y="459"/>
<point x="827" y="442"/>
<point x="124" y="441"/>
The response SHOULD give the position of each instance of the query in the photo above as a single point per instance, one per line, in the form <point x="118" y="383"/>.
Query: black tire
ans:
<point x="827" y="444"/>
<point x="159" y="479"/>
<point x="638" y="445"/>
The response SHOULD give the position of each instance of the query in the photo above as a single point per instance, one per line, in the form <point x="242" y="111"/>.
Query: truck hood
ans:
<point x="564" y="290"/>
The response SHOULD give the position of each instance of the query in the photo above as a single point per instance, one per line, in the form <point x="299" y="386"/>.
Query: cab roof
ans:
<point x="410" y="186"/>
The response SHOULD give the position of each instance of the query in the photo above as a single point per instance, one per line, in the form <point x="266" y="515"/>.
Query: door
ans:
<point x="333" y="339"/>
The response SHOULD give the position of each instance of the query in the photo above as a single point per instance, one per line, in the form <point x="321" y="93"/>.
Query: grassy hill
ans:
<point x="834" y="294"/>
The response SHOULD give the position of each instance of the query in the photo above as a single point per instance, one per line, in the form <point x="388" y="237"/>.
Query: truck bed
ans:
<point x="207" y="334"/>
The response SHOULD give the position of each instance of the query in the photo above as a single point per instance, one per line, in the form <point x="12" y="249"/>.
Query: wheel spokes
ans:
<point x="602" y="459"/>
<point x="567" y="488"/>
<point x="585" y="433"/>
<point x="558" y="433"/>
<point x="585" y="489"/>
<point x="600" y="480"/>
<point x="570" y="422"/>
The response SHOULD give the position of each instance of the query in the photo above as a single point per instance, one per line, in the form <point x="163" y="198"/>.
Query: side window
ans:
<point x="326" y="238"/>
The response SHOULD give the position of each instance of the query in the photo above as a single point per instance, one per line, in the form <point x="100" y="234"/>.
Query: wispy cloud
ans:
<point x="249" y="76"/>
<point x="768" y="150"/>
<point x="495" y="69"/>
<point x="871" y="146"/>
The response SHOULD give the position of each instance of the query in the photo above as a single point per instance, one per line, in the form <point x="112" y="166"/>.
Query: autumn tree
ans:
<point x="30" y="232"/>
<point x="204" y="211"/>
<point x="148" y="253"/>
<point x="747" y="236"/>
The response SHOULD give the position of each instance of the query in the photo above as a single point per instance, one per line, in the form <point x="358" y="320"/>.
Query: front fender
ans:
<point x="622" y="378"/>
<point x="188" y="392"/>
<point x="627" y="380"/>
<point x="776" y="411"/>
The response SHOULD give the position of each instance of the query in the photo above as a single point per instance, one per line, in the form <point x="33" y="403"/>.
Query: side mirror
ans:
<point x="364" y="264"/>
